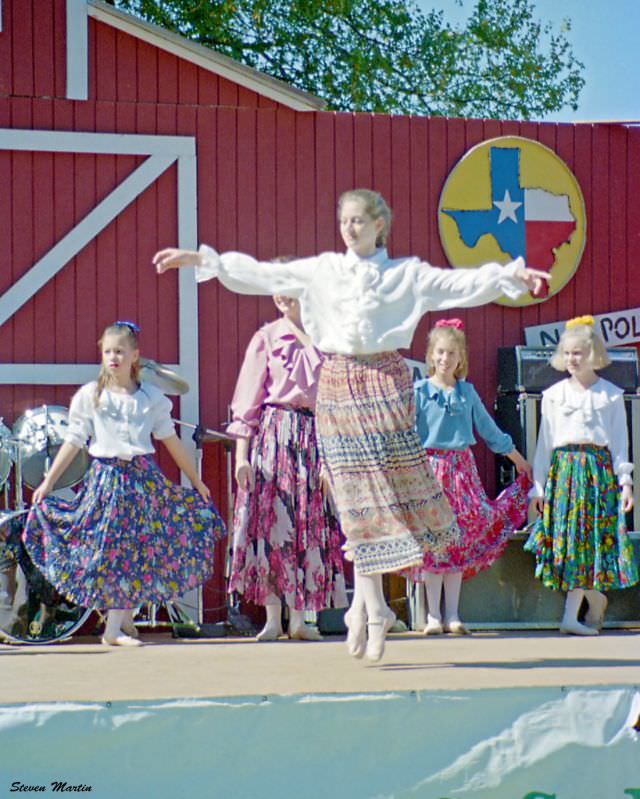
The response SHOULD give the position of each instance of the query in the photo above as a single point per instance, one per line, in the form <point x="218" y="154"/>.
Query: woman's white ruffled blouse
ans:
<point x="359" y="306"/>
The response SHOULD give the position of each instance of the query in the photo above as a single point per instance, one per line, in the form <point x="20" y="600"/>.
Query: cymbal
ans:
<point x="168" y="381"/>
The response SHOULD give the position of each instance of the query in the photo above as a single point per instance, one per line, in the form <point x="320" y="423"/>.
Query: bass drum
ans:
<point x="6" y="452"/>
<point x="31" y="610"/>
<point x="39" y="434"/>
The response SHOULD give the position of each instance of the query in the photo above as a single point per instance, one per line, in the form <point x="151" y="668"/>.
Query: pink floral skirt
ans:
<point x="486" y="525"/>
<point x="287" y="540"/>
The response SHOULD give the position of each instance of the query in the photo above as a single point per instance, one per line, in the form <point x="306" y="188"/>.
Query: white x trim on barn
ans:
<point x="162" y="152"/>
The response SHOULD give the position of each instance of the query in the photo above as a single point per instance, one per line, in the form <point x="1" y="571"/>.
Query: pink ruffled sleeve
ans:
<point x="250" y="391"/>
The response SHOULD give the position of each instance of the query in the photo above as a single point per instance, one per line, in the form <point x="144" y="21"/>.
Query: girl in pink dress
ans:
<point x="287" y="544"/>
<point x="449" y="414"/>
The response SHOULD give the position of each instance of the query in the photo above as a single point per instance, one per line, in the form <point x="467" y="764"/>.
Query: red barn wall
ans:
<point x="268" y="179"/>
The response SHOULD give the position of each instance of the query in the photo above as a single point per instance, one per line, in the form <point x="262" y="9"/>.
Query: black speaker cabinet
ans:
<point x="527" y="369"/>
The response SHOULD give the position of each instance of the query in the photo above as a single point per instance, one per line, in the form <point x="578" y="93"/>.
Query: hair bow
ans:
<point x="457" y="323"/>
<point x="580" y="320"/>
<point x="133" y="327"/>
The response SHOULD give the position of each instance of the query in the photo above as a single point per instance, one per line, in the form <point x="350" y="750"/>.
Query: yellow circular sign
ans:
<point x="510" y="197"/>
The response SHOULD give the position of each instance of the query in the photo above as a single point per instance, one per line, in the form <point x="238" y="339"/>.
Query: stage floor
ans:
<point x="84" y="670"/>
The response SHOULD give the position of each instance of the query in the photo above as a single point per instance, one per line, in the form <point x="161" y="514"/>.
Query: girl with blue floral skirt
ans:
<point x="129" y="535"/>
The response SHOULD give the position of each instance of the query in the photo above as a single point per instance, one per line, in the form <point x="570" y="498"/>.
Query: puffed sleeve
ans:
<point x="542" y="458"/>
<point x="422" y="418"/>
<point x="440" y="289"/>
<point x="81" y="410"/>
<point x="245" y="275"/>
<point x="163" y="426"/>
<point x="497" y="441"/>
<point x="619" y="442"/>
<point x="250" y="390"/>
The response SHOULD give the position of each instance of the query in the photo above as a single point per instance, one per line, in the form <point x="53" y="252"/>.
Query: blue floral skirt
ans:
<point x="129" y="535"/>
<point x="581" y="541"/>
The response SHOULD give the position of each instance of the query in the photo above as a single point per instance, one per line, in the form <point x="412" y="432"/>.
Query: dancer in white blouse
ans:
<point x="358" y="307"/>
<point x="582" y="483"/>
<point x="129" y="535"/>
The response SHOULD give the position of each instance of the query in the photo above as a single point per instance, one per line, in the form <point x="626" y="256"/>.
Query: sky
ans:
<point x="604" y="36"/>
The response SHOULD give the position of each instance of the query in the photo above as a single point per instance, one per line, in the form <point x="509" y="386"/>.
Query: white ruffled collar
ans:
<point x="379" y="257"/>
<point x="570" y="399"/>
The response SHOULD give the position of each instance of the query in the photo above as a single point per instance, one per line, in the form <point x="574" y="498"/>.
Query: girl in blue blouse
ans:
<point x="448" y="411"/>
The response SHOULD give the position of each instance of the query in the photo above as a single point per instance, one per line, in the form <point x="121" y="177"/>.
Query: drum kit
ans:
<point x="31" y="610"/>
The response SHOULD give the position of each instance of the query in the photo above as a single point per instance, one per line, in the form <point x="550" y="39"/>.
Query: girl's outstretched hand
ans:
<point x="173" y="258"/>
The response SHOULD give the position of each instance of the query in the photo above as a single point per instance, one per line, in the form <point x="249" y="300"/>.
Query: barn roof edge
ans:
<point x="205" y="57"/>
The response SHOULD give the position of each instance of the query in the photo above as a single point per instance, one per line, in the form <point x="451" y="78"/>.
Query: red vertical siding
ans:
<point x="268" y="183"/>
<point x="306" y="183"/>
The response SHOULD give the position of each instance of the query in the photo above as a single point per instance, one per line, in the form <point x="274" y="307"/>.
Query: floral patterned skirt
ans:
<point x="129" y="535"/>
<point x="486" y="525"/>
<point x="287" y="539"/>
<point x="581" y="541"/>
<point x="391" y="507"/>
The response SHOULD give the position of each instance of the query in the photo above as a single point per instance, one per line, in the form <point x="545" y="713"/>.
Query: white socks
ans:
<point x="112" y="628"/>
<point x="433" y="586"/>
<point x="570" y="623"/>
<point x="298" y="630"/>
<point x="451" y="583"/>
<point x="597" y="602"/>
<point x="272" y="630"/>
<point x="369" y="586"/>
<point x="452" y="588"/>
<point x="113" y="634"/>
<point x="127" y="625"/>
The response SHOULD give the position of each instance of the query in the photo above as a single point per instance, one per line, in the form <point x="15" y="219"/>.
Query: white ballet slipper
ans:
<point x="356" y="633"/>
<point x="398" y="626"/>
<point x="306" y="632"/>
<point x="121" y="640"/>
<point x="130" y="629"/>
<point x="270" y="632"/>
<point x="455" y="627"/>
<point x="573" y="627"/>
<point x="433" y="627"/>
<point x="597" y="605"/>
<point x="377" y="630"/>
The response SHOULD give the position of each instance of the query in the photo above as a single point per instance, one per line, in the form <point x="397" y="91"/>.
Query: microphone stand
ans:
<point x="236" y="622"/>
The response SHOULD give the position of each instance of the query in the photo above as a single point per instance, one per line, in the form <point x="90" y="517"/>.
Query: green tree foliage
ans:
<point x="387" y="56"/>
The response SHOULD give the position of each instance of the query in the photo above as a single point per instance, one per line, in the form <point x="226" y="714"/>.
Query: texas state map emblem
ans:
<point x="511" y="197"/>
